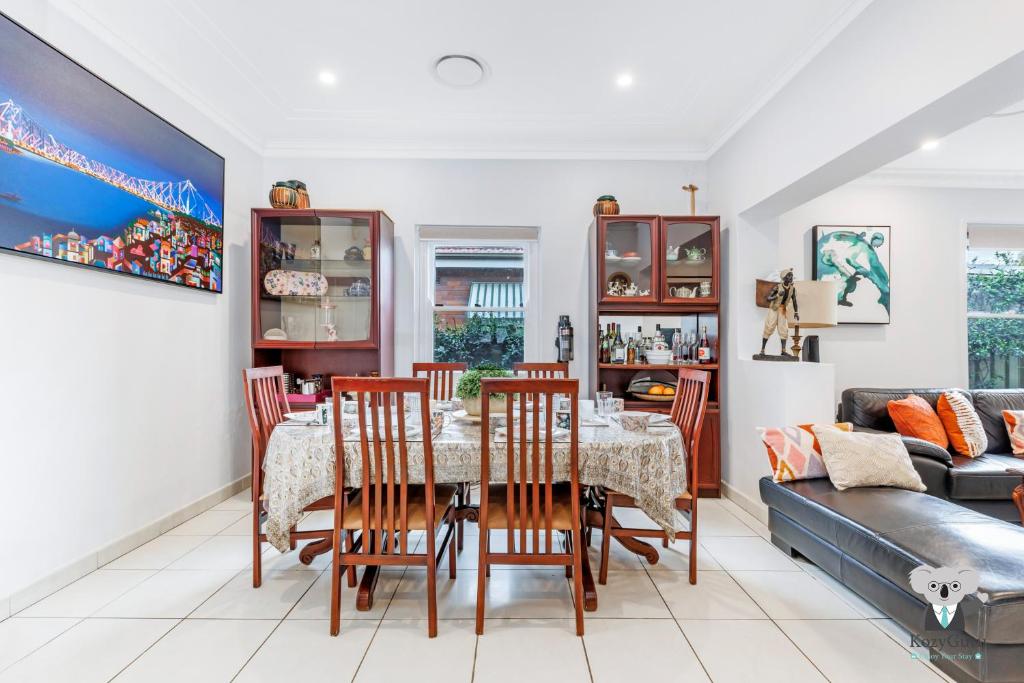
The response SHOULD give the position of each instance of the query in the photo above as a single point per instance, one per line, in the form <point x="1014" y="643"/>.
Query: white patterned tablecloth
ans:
<point x="649" y="466"/>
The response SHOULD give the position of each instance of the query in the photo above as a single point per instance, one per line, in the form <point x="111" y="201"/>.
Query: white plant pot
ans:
<point x="473" y="406"/>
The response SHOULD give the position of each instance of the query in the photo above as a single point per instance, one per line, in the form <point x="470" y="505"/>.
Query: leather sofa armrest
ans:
<point x="927" y="449"/>
<point x="933" y="473"/>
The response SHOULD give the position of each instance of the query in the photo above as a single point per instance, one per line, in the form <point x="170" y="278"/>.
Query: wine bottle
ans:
<point x="704" y="347"/>
<point x="618" y="348"/>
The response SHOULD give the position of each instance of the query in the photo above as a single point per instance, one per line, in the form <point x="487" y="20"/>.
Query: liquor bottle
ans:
<point x="604" y="349"/>
<point x="631" y="350"/>
<point x="641" y="349"/>
<point x="677" y="347"/>
<point x="704" y="348"/>
<point x="694" y="345"/>
<point x="685" y="353"/>
<point x="618" y="348"/>
<point x="658" y="336"/>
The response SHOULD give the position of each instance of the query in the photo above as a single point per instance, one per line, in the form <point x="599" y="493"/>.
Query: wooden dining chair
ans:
<point x="387" y="506"/>
<point x="687" y="413"/>
<point x="442" y="388"/>
<point x="530" y="499"/>
<point x="266" y="405"/>
<point x="542" y="370"/>
<point x="441" y="376"/>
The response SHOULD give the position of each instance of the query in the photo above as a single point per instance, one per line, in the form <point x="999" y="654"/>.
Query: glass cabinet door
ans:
<point x="347" y="254"/>
<point x="688" y="260"/>
<point x="627" y="259"/>
<point x="315" y="278"/>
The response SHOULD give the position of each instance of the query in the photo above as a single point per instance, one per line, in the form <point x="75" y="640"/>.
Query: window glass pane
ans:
<point x="478" y="275"/>
<point x="995" y="316"/>
<point x="489" y="280"/>
<point x="475" y="338"/>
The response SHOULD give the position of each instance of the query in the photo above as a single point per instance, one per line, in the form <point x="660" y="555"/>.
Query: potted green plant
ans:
<point x="469" y="388"/>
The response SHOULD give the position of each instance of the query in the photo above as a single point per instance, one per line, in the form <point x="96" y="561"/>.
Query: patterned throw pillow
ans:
<point x="915" y="417"/>
<point x="794" y="452"/>
<point x="860" y="459"/>
<point x="1014" y="420"/>
<point x="962" y="424"/>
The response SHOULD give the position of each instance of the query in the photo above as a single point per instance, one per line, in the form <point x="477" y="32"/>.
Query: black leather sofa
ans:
<point x="980" y="483"/>
<point x="870" y="539"/>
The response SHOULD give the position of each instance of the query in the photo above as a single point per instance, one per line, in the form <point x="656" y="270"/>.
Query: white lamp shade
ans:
<point x="816" y="300"/>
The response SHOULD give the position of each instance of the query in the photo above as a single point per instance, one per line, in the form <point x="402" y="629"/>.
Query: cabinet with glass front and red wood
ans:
<point x="322" y="295"/>
<point x="655" y="307"/>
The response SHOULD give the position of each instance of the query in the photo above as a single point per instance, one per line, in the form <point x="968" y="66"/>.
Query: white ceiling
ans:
<point x="701" y="68"/>
<point x="987" y="153"/>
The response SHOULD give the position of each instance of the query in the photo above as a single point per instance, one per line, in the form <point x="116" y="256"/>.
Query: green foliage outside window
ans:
<point x="479" y="341"/>
<point x="996" y="344"/>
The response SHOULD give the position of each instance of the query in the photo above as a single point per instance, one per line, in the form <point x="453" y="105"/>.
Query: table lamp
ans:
<point x="816" y="301"/>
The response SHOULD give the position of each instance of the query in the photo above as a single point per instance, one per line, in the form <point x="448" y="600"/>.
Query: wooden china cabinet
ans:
<point x="328" y="306"/>
<point x="647" y="271"/>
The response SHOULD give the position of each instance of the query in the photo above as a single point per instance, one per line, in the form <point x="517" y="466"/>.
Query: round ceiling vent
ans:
<point x="459" y="71"/>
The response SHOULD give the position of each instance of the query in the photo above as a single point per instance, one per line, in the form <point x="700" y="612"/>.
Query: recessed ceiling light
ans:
<point x="624" y="80"/>
<point x="459" y="71"/>
<point x="929" y="145"/>
<point x="327" y="77"/>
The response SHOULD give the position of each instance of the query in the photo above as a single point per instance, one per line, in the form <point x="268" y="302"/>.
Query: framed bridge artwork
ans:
<point x="88" y="176"/>
<point x="858" y="258"/>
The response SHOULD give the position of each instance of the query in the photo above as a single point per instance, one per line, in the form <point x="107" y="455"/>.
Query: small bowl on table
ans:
<point x="659" y="356"/>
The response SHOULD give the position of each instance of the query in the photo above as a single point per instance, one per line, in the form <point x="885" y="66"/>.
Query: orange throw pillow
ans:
<point x="963" y="426"/>
<point x="915" y="417"/>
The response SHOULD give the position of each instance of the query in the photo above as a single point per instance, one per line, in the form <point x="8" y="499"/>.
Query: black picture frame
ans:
<point x="165" y="127"/>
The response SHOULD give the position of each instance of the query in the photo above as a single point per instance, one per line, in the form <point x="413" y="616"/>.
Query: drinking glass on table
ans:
<point x="605" y="403"/>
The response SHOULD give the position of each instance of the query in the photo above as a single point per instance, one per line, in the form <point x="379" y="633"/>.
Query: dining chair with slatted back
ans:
<point x="688" y="409"/>
<point x="542" y="370"/>
<point x="384" y="457"/>
<point x="266" y="405"/>
<point x="540" y="489"/>
<point x="441" y="376"/>
<point x="442" y="388"/>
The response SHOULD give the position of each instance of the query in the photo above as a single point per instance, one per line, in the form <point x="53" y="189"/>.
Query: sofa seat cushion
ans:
<point x="983" y="478"/>
<point x="893" y="531"/>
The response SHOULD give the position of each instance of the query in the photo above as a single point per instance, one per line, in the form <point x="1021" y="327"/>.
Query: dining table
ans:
<point x="648" y="465"/>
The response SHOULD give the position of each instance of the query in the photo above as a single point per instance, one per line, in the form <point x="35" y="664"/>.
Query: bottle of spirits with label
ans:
<point x="603" y="350"/>
<point x="631" y="350"/>
<point x="618" y="348"/>
<point x="704" y="347"/>
<point x="641" y="349"/>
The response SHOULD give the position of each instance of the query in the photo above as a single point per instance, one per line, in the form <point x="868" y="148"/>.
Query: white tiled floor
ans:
<point x="182" y="607"/>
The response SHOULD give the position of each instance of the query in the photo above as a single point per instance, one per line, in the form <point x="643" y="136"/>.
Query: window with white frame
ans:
<point x="995" y="306"/>
<point x="478" y="304"/>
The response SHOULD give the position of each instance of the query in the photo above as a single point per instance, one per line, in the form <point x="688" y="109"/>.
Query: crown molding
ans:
<point x="951" y="178"/>
<point x="827" y="35"/>
<point x="77" y="13"/>
<point x="326" y="149"/>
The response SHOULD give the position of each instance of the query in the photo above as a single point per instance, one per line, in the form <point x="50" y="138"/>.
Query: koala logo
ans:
<point x="944" y="588"/>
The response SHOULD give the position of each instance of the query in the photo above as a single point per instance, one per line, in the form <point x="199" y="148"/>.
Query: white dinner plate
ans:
<point x="304" y="418"/>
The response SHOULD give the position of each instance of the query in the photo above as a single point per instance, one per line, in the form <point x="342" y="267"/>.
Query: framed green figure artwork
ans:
<point x="858" y="258"/>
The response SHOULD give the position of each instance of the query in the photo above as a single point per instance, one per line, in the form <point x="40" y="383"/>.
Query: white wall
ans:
<point x="121" y="398"/>
<point x="926" y="343"/>
<point x="556" y="196"/>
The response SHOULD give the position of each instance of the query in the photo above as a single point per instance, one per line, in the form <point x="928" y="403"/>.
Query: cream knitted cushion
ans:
<point x="857" y="459"/>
